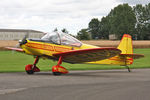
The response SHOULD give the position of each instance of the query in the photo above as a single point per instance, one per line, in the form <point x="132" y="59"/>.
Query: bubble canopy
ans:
<point x="61" y="39"/>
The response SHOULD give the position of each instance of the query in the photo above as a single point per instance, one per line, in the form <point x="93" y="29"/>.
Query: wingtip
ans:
<point x="16" y="49"/>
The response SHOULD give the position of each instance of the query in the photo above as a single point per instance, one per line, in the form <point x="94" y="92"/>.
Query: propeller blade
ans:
<point x="24" y="40"/>
<point x="25" y="37"/>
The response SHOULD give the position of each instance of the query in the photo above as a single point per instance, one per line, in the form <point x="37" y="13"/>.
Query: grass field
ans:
<point x="15" y="62"/>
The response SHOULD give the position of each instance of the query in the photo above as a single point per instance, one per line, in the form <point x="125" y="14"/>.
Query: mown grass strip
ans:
<point x="15" y="62"/>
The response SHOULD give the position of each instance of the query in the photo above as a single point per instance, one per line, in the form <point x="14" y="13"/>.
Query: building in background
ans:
<point x="17" y="34"/>
<point x="112" y="37"/>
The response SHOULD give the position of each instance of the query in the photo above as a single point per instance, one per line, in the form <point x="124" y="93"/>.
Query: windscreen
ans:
<point x="51" y="38"/>
<point x="66" y="39"/>
<point x="61" y="38"/>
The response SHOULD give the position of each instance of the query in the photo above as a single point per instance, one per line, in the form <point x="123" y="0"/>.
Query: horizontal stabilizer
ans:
<point x="134" y="56"/>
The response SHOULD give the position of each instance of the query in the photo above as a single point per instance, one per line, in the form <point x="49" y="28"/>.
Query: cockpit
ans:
<point x="61" y="38"/>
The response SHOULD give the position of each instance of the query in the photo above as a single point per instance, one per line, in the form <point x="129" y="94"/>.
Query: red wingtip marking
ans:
<point x="16" y="49"/>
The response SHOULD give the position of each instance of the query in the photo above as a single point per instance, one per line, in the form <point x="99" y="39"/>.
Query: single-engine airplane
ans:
<point x="65" y="48"/>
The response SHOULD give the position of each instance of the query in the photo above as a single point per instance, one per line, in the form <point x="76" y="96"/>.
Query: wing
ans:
<point x="134" y="56"/>
<point x="87" y="55"/>
<point x="15" y="49"/>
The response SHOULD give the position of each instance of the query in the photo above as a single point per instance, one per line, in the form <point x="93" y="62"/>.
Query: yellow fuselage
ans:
<point x="48" y="49"/>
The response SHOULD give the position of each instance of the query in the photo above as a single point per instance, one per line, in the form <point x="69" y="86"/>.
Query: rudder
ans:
<point x="126" y="44"/>
<point x="127" y="49"/>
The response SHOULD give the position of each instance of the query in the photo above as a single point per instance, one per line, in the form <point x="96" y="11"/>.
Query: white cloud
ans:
<point x="48" y="14"/>
<point x="134" y="2"/>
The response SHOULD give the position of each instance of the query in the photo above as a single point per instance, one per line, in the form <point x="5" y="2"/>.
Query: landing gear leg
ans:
<point x="31" y="68"/>
<point x="58" y="70"/>
<point x="125" y="60"/>
<point x="128" y="68"/>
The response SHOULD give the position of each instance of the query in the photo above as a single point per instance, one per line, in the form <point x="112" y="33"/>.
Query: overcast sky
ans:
<point x="46" y="15"/>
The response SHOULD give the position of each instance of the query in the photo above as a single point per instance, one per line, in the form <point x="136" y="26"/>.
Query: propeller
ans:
<point x="24" y="40"/>
<point x="21" y="42"/>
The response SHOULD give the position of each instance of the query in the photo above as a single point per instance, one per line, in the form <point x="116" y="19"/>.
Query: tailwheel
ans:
<point x="128" y="68"/>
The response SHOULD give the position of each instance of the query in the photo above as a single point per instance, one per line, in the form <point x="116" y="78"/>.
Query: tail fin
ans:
<point x="126" y="44"/>
<point x="127" y="49"/>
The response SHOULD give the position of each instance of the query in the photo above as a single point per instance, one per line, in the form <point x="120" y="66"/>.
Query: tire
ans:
<point x="29" y="69"/>
<point x="30" y="72"/>
<point x="57" y="73"/>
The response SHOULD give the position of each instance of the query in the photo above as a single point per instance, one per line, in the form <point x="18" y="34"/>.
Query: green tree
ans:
<point x="139" y="12"/>
<point x="83" y="34"/>
<point x="94" y="28"/>
<point x="122" y="20"/>
<point x="148" y="32"/>
<point x="104" y="29"/>
<point x="142" y="13"/>
<point x="147" y="22"/>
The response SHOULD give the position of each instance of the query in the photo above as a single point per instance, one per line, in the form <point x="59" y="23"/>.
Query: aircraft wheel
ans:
<point x="29" y="69"/>
<point x="57" y="73"/>
<point x="30" y="72"/>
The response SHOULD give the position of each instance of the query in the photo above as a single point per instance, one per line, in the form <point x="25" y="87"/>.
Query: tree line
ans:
<point x="123" y="19"/>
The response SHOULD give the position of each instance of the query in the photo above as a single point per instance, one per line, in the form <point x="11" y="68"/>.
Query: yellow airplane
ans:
<point x="65" y="48"/>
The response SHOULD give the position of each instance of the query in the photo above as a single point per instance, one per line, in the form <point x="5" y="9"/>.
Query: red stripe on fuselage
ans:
<point x="47" y="47"/>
